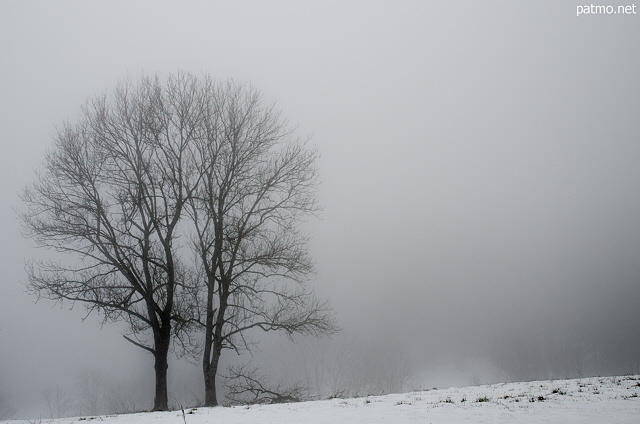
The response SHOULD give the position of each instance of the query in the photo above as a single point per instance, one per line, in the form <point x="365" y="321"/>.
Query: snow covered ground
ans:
<point x="584" y="400"/>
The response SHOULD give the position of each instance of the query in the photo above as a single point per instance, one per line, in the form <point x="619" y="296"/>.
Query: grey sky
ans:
<point x="480" y="160"/>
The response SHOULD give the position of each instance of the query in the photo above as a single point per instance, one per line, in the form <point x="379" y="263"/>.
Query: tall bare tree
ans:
<point x="110" y="197"/>
<point x="259" y="185"/>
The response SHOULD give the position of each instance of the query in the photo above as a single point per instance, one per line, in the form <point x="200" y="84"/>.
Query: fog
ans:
<point x="479" y="167"/>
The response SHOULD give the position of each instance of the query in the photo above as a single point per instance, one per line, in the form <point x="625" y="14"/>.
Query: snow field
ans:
<point x="584" y="400"/>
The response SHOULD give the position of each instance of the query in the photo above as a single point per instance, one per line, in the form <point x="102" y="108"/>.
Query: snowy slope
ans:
<point x="585" y="400"/>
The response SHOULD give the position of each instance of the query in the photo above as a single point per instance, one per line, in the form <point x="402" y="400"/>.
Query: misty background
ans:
<point x="480" y="168"/>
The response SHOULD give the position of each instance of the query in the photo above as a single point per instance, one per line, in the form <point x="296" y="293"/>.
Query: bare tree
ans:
<point x="247" y="385"/>
<point x="92" y="391"/>
<point x="258" y="186"/>
<point x="325" y="365"/>
<point x="6" y="408"/>
<point x="126" y="396"/>
<point x="110" y="197"/>
<point x="59" y="402"/>
<point x="152" y="170"/>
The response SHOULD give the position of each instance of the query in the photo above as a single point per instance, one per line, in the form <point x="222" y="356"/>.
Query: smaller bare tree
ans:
<point x="126" y="396"/>
<point x="6" y="408"/>
<point x="247" y="385"/>
<point x="59" y="402"/>
<point x="93" y="388"/>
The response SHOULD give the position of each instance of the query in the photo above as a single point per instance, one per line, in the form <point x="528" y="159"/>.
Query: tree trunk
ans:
<point x="210" y="371"/>
<point x="213" y="337"/>
<point x="161" y="400"/>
